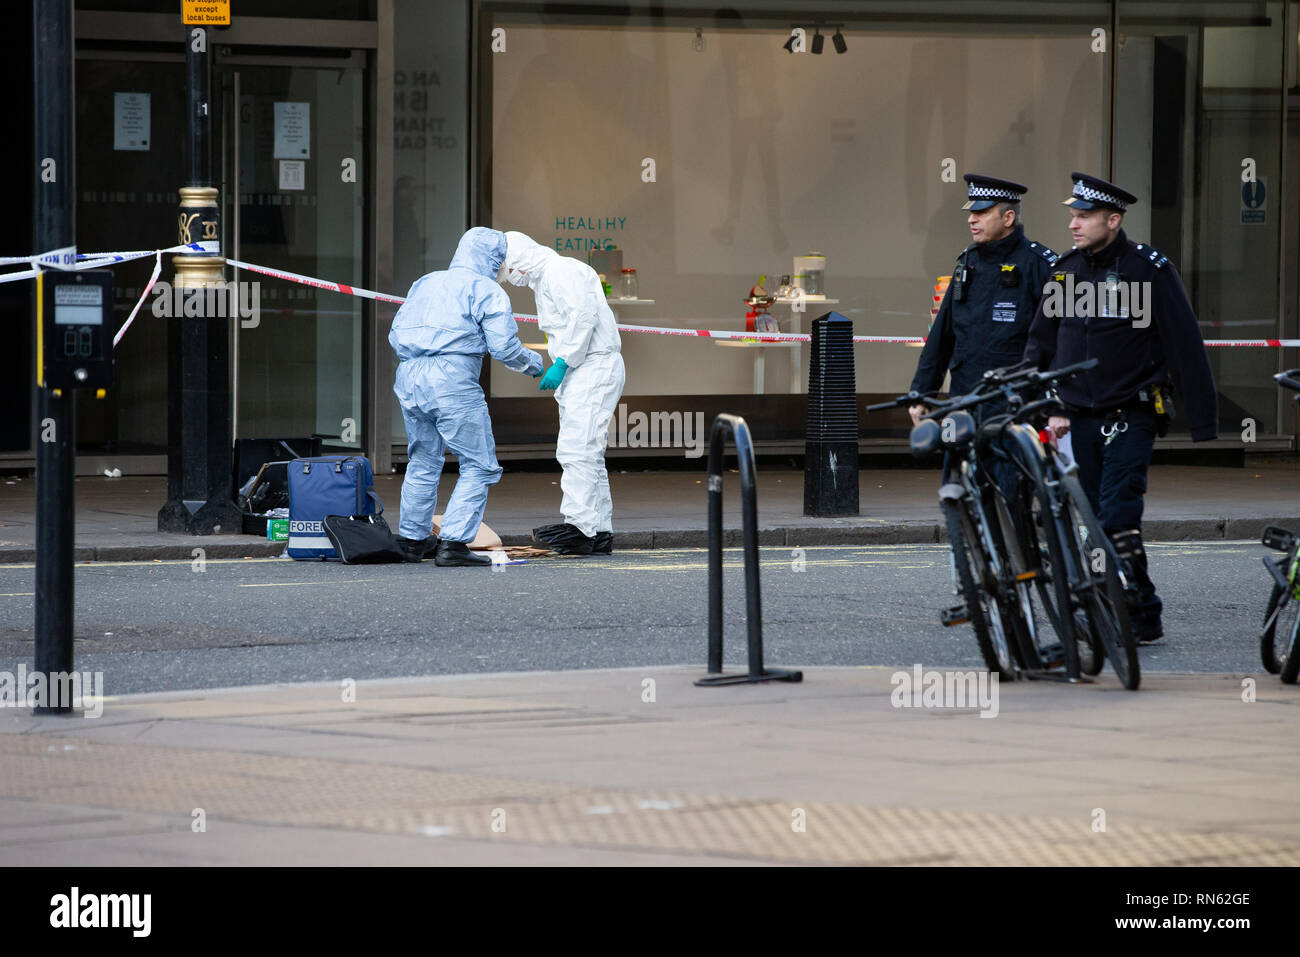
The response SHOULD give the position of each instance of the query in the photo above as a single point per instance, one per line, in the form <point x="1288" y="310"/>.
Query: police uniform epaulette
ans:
<point x="1152" y="255"/>
<point x="1045" y="252"/>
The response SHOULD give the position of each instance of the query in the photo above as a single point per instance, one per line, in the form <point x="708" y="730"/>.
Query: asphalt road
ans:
<point x="169" y="626"/>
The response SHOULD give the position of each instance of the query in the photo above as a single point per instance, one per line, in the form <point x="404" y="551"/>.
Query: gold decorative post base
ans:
<point x="198" y="222"/>
<point x="199" y="272"/>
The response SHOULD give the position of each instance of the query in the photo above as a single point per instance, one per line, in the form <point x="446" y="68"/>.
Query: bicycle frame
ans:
<point x="966" y="478"/>
<point x="1037" y="466"/>
<point x="994" y="526"/>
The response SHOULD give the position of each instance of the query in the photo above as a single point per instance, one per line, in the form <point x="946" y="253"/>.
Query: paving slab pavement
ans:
<point x="639" y="766"/>
<point x="117" y="518"/>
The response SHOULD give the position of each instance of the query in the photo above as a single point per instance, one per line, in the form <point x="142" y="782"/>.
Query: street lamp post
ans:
<point x="199" y="481"/>
<point x="54" y="230"/>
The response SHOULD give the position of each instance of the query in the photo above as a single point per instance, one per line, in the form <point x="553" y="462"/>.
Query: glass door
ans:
<point x="294" y="189"/>
<point x="130" y="129"/>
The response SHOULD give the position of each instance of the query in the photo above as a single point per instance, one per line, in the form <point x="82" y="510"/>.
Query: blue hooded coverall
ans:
<point x="449" y="320"/>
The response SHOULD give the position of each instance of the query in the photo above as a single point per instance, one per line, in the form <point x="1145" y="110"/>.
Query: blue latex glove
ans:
<point x="554" y="375"/>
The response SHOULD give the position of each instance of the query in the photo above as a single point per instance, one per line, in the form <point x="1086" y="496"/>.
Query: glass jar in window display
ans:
<point x="810" y="273"/>
<point x="629" y="287"/>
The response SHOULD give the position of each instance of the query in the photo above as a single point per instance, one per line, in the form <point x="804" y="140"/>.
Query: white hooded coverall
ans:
<point x="581" y="330"/>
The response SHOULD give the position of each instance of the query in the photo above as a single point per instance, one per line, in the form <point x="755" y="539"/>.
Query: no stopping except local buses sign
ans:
<point x="205" y="13"/>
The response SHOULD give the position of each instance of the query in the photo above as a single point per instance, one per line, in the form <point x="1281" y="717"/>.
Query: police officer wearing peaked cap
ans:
<point x="984" y="317"/>
<point x="1143" y="336"/>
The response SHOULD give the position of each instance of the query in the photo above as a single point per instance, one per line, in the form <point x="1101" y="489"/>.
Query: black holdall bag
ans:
<point x="362" y="539"/>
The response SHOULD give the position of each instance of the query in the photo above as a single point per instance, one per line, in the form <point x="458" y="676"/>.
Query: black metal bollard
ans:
<point x="753" y="602"/>
<point x="830" y="481"/>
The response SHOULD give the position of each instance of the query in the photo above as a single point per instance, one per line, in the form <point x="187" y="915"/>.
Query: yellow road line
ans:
<point x="160" y="562"/>
<point x="341" y="581"/>
<point x="1183" y="548"/>
<point x="18" y="594"/>
<point x="153" y="563"/>
<point x="692" y="566"/>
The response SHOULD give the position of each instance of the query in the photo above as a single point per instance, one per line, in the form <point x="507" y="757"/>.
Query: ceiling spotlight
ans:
<point x="818" y="41"/>
<point x="788" y="46"/>
<point x="837" y="40"/>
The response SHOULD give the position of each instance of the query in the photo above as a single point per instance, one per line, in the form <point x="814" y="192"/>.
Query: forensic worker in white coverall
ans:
<point x="587" y="376"/>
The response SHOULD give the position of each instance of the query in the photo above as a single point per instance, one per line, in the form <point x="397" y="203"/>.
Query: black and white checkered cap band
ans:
<point x="991" y="192"/>
<point x="1084" y="191"/>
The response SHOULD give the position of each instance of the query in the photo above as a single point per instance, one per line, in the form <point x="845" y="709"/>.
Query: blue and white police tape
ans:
<point x="93" y="260"/>
<point x="96" y="259"/>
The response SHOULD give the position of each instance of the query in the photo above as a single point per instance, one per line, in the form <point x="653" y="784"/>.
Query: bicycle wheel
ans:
<point x="982" y="610"/>
<point x="1291" y="669"/>
<point x="1035" y="528"/>
<point x="1277" y="643"/>
<point x="1027" y="627"/>
<point x="1105" y="599"/>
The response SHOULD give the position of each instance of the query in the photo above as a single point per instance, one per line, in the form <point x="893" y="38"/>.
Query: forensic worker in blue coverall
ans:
<point x="450" y="319"/>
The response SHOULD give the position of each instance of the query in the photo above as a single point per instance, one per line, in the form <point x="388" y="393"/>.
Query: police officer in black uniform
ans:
<point x="984" y="318"/>
<point x="1123" y="304"/>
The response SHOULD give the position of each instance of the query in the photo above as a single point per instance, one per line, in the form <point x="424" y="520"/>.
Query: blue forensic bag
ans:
<point x="326" y="485"/>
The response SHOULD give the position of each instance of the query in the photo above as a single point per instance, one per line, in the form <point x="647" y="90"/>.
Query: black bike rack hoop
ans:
<point x="735" y="425"/>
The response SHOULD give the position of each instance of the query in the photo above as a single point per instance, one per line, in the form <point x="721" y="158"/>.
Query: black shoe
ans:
<point x="565" y="539"/>
<point x="603" y="544"/>
<point x="457" y="555"/>
<point x="1146" y="623"/>
<point x="415" y="549"/>
<point x="1148" y="632"/>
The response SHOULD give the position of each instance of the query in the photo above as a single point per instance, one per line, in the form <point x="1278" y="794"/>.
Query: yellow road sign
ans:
<point x="205" y="13"/>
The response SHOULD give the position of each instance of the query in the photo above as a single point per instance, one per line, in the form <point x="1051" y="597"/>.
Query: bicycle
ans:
<point x="1084" y="588"/>
<point x="1032" y="548"/>
<point x="981" y="574"/>
<point x="1037" y="543"/>
<point x="1279" y="642"/>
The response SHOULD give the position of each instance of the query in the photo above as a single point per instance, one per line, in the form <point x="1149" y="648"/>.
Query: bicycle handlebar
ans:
<point x="1289" y="379"/>
<point x="912" y="398"/>
<point x="1021" y="374"/>
<point x="996" y="383"/>
<point x="1033" y="408"/>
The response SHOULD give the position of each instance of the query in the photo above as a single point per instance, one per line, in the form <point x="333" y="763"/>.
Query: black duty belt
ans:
<point x="1116" y="417"/>
<point x="1145" y="399"/>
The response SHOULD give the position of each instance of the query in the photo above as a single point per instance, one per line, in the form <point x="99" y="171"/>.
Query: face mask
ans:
<point x="515" y="277"/>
